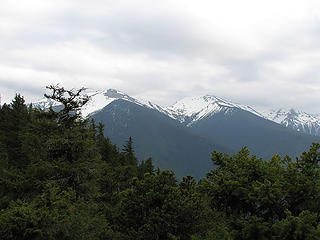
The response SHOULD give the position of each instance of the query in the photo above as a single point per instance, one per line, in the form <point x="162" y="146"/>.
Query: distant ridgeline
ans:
<point x="61" y="178"/>
<point x="182" y="137"/>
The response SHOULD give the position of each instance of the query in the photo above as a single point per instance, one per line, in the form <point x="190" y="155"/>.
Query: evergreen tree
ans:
<point x="145" y="167"/>
<point x="129" y="152"/>
<point x="72" y="101"/>
<point x="257" y="198"/>
<point x="60" y="178"/>
<point x="13" y="119"/>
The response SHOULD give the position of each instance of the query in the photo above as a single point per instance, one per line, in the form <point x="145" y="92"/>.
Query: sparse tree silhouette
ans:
<point x="72" y="100"/>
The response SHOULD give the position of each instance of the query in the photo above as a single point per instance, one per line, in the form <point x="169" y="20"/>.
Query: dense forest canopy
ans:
<point x="61" y="178"/>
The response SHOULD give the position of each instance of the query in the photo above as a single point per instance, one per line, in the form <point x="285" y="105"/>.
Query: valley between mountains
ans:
<point x="181" y="137"/>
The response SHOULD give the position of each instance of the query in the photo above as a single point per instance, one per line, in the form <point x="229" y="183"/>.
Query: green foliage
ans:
<point x="303" y="226"/>
<point x="72" y="101"/>
<point x="145" y="167"/>
<point x="55" y="214"/>
<point x="13" y="120"/>
<point x="157" y="208"/>
<point x="129" y="152"/>
<point x="60" y="178"/>
<point x="262" y="198"/>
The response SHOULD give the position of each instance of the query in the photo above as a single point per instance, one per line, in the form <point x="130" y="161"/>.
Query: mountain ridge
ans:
<point x="295" y="119"/>
<point x="181" y="137"/>
<point x="193" y="109"/>
<point x="189" y="110"/>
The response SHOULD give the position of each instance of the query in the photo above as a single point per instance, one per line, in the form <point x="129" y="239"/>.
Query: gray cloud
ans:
<point x="265" y="56"/>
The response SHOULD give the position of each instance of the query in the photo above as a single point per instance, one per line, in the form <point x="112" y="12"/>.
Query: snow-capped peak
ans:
<point x="192" y="109"/>
<point x="298" y="120"/>
<point x="99" y="100"/>
<point x="45" y="103"/>
<point x="284" y="115"/>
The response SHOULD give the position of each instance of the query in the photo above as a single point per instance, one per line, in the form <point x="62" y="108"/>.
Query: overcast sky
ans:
<point x="263" y="53"/>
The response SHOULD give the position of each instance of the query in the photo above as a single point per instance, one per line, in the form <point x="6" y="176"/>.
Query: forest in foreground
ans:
<point x="61" y="178"/>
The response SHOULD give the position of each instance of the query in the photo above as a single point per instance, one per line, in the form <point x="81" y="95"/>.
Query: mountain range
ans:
<point x="182" y="136"/>
<point x="297" y="120"/>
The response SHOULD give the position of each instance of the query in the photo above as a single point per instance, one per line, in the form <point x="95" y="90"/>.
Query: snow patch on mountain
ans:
<point x="45" y="103"/>
<point x="298" y="120"/>
<point x="99" y="100"/>
<point x="192" y="109"/>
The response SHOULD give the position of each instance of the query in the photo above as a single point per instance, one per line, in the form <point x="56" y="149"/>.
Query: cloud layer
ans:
<point x="262" y="53"/>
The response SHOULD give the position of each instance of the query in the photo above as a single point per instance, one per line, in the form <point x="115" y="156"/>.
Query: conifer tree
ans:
<point x="129" y="152"/>
<point x="145" y="167"/>
<point x="60" y="178"/>
<point x="13" y="120"/>
<point x="72" y="101"/>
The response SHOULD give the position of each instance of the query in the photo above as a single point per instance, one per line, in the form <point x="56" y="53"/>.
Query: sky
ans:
<point x="262" y="53"/>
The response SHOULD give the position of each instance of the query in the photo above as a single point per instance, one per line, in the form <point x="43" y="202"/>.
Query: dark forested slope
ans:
<point x="171" y="145"/>
<point x="60" y="178"/>
<point x="239" y="128"/>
